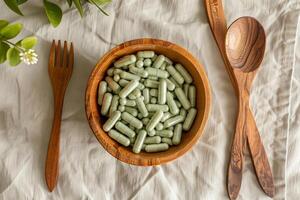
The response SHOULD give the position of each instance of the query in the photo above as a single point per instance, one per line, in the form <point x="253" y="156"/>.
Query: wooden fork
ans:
<point x="60" y="70"/>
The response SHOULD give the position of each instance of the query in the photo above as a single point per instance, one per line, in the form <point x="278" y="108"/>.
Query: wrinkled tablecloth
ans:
<point x="87" y="171"/>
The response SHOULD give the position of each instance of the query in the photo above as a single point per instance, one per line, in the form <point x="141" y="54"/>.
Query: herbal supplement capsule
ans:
<point x="106" y="103"/>
<point x="151" y="83"/>
<point x="175" y="74"/>
<point x="182" y="112"/>
<point x="136" y="92"/>
<point x="138" y="71"/>
<point x="124" y="122"/>
<point x="186" y="76"/>
<point x="159" y="61"/>
<point x="126" y="60"/>
<point x="119" y="137"/>
<point x="109" y="90"/>
<point x="137" y="147"/>
<point x="141" y="86"/>
<point x="153" y="100"/>
<point x="155" y="78"/>
<point x="147" y="62"/>
<point x="141" y="106"/>
<point x="173" y="121"/>
<point x="189" y="119"/>
<point x="177" y="134"/>
<point x="167" y="140"/>
<point x="154" y="92"/>
<point x="116" y="78"/>
<point x="192" y="95"/>
<point x="156" y="147"/>
<point x="172" y="105"/>
<point x="171" y="128"/>
<point x="128" y="88"/>
<point x="167" y="60"/>
<point x="170" y="85"/>
<point x="131" y="96"/>
<point x="114" y="104"/>
<point x="145" y="54"/>
<point x="155" y="107"/>
<point x="145" y="121"/>
<point x="112" y="84"/>
<point x="124" y="129"/>
<point x="182" y="98"/>
<point x="139" y="64"/>
<point x="130" y="103"/>
<point x="157" y="72"/>
<point x="109" y="124"/>
<point x="162" y="91"/>
<point x="166" y="116"/>
<point x="186" y="89"/>
<point x="129" y="76"/>
<point x="101" y="91"/>
<point x="151" y="133"/>
<point x="163" y="66"/>
<point x="152" y="140"/>
<point x="110" y="72"/>
<point x="123" y="82"/>
<point x="131" y="111"/>
<point x="164" y="133"/>
<point x="154" y="120"/>
<point x="121" y="108"/>
<point x="140" y="116"/>
<point x="132" y="140"/>
<point x="159" y="126"/>
<point x="174" y="82"/>
<point x="178" y="104"/>
<point x="132" y="120"/>
<point x="131" y="127"/>
<point x="146" y="95"/>
<point x="117" y="71"/>
<point x="154" y="58"/>
<point x="123" y="101"/>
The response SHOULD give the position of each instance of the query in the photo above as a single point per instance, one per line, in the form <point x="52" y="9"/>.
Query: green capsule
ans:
<point x="163" y="66"/>
<point x="132" y="120"/>
<point x="174" y="82"/>
<point x="147" y="62"/>
<point x="101" y="91"/>
<point x="123" y="101"/>
<point x="166" y="116"/>
<point x="155" y="78"/>
<point x="159" y="61"/>
<point x="132" y="111"/>
<point x="186" y="76"/>
<point x="153" y="100"/>
<point x="140" y="116"/>
<point x="146" y="95"/>
<point x="162" y="91"/>
<point x="128" y="88"/>
<point x="152" y="140"/>
<point x="155" y="107"/>
<point x="123" y="82"/>
<point x="164" y="133"/>
<point x="125" y="129"/>
<point x="157" y="72"/>
<point x="154" y="58"/>
<point x="117" y="71"/>
<point x="141" y="106"/>
<point x="114" y="86"/>
<point x="131" y="96"/>
<point x="126" y="60"/>
<point x="159" y="127"/>
<point x="186" y="89"/>
<point x="154" y="92"/>
<point x="145" y="54"/>
<point x="182" y="112"/>
<point x="182" y="98"/>
<point x="121" y="108"/>
<point x="173" y="121"/>
<point x="106" y="103"/>
<point x="167" y="60"/>
<point x="151" y="133"/>
<point x="130" y="103"/>
<point x="170" y="85"/>
<point x="154" y="120"/>
<point x="175" y="74"/>
<point x="114" y="104"/>
<point x="132" y="140"/>
<point x="138" y="71"/>
<point x="145" y="121"/>
<point x="129" y="76"/>
<point x="172" y="105"/>
<point x="110" y="72"/>
<point x="167" y="140"/>
<point x="109" y="124"/>
<point x="116" y="77"/>
<point x="137" y="147"/>
<point x="171" y="128"/>
<point x="178" y="104"/>
<point x="139" y="64"/>
<point x="136" y="93"/>
<point x="151" y="83"/>
<point x="189" y="119"/>
<point x="119" y="137"/>
<point x="177" y="134"/>
<point x="192" y="95"/>
<point x="151" y="148"/>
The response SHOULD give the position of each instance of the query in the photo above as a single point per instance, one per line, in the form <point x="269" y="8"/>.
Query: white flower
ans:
<point x="29" y="57"/>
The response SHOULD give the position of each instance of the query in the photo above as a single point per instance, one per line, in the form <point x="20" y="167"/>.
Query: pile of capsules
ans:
<point x="148" y="102"/>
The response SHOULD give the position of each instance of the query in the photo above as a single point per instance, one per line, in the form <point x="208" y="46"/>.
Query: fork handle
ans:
<point x="52" y="160"/>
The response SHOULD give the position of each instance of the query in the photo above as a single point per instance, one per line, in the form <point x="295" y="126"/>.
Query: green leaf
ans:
<point x="70" y="2"/>
<point x="78" y="6"/>
<point x="102" y="2"/>
<point x="3" y="50"/>
<point x="19" y="2"/>
<point x="97" y="3"/>
<point x="3" y="23"/>
<point x="54" y="13"/>
<point x="13" y="56"/>
<point x="14" y="6"/>
<point x="29" y="42"/>
<point x="11" y="31"/>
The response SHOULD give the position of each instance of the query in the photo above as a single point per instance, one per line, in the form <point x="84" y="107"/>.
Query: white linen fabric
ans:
<point x="87" y="171"/>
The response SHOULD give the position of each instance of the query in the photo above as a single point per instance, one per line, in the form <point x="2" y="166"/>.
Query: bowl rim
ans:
<point x="179" y="50"/>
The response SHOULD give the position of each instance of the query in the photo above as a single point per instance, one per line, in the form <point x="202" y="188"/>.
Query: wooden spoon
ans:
<point x="245" y="45"/>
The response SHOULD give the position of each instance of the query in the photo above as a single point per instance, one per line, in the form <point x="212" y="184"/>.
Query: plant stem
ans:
<point x="14" y="45"/>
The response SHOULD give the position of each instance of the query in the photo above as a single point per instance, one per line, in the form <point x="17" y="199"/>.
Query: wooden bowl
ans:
<point x="178" y="55"/>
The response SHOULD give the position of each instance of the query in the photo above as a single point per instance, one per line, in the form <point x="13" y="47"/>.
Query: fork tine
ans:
<point x="52" y="54"/>
<point x="71" y="57"/>
<point x="65" y="55"/>
<point x="58" y="55"/>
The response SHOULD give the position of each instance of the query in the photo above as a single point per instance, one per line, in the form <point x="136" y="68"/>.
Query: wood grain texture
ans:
<point x="245" y="46"/>
<point x="60" y="70"/>
<point x="175" y="53"/>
